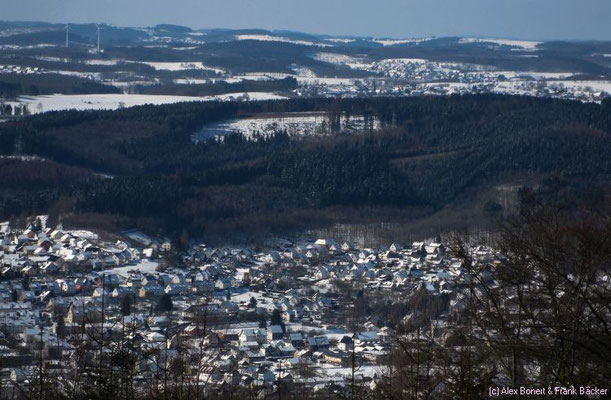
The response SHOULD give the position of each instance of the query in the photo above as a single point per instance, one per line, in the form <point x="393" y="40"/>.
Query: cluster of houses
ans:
<point x="253" y="316"/>
<point x="420" y="77"/>
<point x="17" y="69"/>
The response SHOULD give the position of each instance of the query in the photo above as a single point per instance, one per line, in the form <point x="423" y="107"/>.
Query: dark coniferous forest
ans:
<point x="141" y="167"/>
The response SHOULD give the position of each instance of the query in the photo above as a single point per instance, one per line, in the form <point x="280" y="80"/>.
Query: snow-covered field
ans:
<point x="191" y="81"/>
<point x="102" y="62"/>
<point x="256" y="96"/>
<point x="585" y="86"/>
<point x="534" y="75"/>
<point x="59" y="102"/>
<point x="260" y="76"/>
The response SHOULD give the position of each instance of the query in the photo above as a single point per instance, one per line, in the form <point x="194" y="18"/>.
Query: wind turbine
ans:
<point x="98" y="27"/>
<point x="67" y="29"/>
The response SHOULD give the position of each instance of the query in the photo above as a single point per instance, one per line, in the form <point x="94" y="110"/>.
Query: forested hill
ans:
<point x="139" y="166"/>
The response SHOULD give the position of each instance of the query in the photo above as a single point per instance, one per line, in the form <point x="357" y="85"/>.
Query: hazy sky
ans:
<point x="528" y="19"/>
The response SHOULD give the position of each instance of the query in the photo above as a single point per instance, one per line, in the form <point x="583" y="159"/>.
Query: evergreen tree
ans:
<point x="276" y="318"/>
<point x="165" y="303"/>
<point x="262" y="321"/>
<point x="126" y="305"/>
<point x="252" y="303"/>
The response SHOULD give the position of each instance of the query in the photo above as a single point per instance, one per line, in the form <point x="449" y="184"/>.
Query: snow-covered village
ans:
<point x="231" y="200"/>
<point x="315" y="314"/>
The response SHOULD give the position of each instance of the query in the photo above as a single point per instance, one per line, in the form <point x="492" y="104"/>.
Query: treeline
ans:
<point x="426" y="153"/>
<point x="220" y="87"/>
<point x="13" y="85"/>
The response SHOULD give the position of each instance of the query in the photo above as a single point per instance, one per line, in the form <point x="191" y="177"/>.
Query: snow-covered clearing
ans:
<point x="294" y="124"/>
